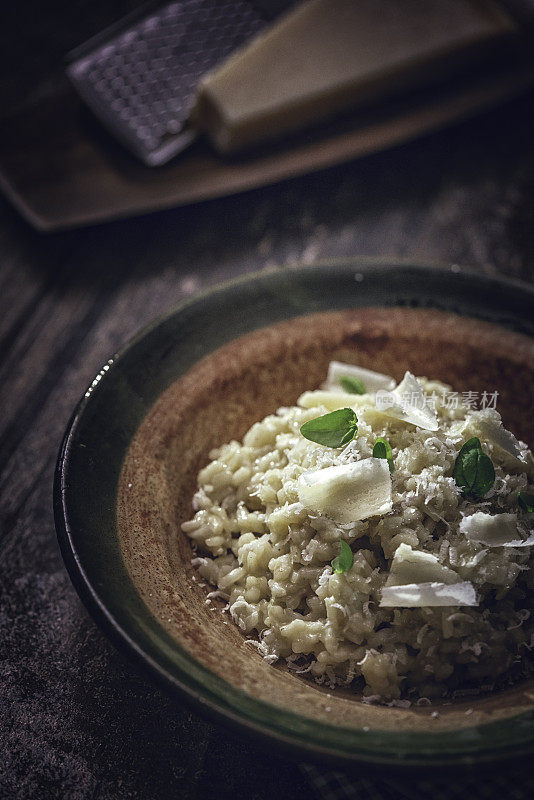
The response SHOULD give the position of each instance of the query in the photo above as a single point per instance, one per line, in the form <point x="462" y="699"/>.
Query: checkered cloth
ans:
<point x="509" y="784"/>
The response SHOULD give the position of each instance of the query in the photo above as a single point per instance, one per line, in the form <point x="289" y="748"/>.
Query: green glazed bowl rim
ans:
<point x="100" y="576"/>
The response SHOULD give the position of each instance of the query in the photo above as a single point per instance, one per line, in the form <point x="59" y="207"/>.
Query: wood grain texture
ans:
<point x="76" y="721"/>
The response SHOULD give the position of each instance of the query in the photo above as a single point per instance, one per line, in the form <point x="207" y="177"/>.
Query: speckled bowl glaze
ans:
<point x="201" y="376"/>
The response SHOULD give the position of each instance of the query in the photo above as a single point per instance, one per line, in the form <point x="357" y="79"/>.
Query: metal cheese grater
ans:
<point x="140" y="80"/>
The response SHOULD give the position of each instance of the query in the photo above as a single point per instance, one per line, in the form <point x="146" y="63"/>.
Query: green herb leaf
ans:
<point x="352" y="385"/>
<point x="473" y="470"/>
<point x="332" y="430"/>
<point x="382" y="449"/>
<point x="526" y="502"/>
<point x="344" y="561"/>
<point x="471" y="444"/>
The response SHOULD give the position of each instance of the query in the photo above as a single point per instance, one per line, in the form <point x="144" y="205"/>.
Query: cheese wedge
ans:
<point x="327" y="56"/>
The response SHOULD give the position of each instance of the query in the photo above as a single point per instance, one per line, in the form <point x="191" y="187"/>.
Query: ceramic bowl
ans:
<point x="201" y="376"/>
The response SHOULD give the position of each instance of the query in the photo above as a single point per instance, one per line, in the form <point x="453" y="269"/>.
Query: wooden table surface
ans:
<point x="76" y="719"/>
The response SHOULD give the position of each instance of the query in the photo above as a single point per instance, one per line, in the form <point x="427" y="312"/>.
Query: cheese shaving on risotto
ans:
<point x="438" y="596"/>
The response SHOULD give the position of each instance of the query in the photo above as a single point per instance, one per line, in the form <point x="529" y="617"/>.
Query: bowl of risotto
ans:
<point x="305" y="502"/>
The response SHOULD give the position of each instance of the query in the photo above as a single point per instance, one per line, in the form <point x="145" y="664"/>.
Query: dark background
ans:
<point x="76" y="720"/>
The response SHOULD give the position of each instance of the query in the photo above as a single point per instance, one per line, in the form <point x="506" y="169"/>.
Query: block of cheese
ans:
<point x="326" y="56"/>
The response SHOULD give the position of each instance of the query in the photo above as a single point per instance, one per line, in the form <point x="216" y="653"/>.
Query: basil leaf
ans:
<point x="526" y="502"/>
<point x="352" y="385"/>
<point x="485" y="477"/>
<point x="344" y="561"/>
<point x="332" y="430"/>
<point x="471" y="444"/>
<point x="382" y="449"/>
<point x="473" y="470"/>
<point x="463" y="462"/>
<point x="469" y="469"/>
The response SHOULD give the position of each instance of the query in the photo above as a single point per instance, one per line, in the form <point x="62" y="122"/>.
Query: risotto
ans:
<point x="377" y="536"/>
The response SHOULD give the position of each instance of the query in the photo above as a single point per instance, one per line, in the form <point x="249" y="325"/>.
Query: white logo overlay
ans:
<point x="445" y="399"/>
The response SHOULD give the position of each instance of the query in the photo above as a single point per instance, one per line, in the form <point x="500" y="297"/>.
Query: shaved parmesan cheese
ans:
<point x="498" y="530"/>
<point x="488" y="423"/>
<point x="348" y="492"/>
<point x="419" y="595"/>
<point x="330" y="400"/>
<point x="414" y="566"/>
<point x="528" y="542"/>
<point x="408" y="404"/>
<point x="370" y="379"/>
<point x="487" y="426"/>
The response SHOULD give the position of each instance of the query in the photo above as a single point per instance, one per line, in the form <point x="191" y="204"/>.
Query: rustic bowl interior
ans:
<point x="217" y="400"/>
